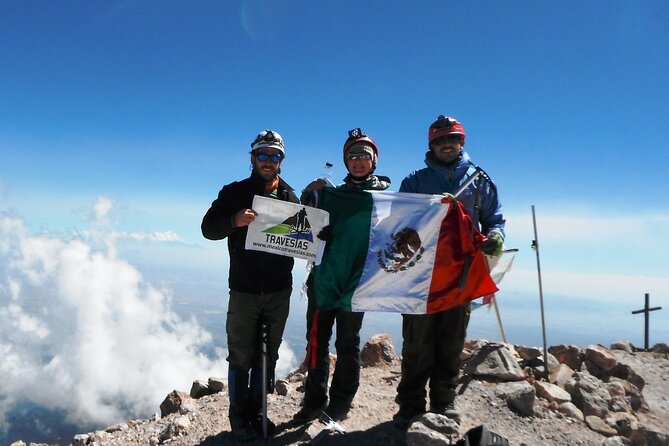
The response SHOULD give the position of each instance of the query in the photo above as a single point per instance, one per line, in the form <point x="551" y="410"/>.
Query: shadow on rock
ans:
<point x="286" y="435"/>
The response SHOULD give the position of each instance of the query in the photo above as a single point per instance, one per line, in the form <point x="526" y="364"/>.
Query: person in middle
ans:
<point x="360" y="157"/>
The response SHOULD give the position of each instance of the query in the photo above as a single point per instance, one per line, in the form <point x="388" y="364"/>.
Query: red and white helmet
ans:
<point x="445" y="125"/>
<point x="357" y="137"/>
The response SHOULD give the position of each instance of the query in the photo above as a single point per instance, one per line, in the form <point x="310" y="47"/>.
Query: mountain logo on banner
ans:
<point x="296" y="226"/>
<point x="405" y="249"/>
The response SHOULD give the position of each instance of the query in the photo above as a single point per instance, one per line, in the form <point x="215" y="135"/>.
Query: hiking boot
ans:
<point x="244" y="432"/>
<point x="337" y="413"/>
<point x="256" y="423"/>
<point x="308" y="413"/>
<point x="405" y="416"/>
<point x="448" y="410"/>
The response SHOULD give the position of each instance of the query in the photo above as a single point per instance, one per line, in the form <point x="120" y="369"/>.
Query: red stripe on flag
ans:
<point x="460" y="272"/>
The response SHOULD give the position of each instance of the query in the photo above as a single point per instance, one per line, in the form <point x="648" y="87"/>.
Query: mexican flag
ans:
<point x="399" y="252"/>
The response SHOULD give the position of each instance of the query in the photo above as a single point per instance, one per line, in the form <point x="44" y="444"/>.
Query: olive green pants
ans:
<point x="246" y="313"/>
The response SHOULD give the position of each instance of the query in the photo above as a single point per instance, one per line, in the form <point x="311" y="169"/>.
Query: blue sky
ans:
<point x="121" y="121"/>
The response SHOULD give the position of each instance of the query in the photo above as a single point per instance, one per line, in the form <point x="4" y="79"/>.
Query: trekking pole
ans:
<point x="535" y="246"/>
<point x="264" y="333"/>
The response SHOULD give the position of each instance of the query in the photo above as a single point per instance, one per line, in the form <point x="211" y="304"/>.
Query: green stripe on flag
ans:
<point x="337" y="277"/>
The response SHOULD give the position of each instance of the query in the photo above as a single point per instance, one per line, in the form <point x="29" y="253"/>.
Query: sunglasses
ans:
<point x="358" y="156"/>
<point x="452" y="139"/>
<point x="264" y="156"/>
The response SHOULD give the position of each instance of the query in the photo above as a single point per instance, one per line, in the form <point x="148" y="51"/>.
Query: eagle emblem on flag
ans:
<point x="402" y="252"/>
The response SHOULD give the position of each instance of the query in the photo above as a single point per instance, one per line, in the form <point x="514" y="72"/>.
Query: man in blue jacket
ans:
<point x="260" y="283"/>
<point x="432" y="343"/>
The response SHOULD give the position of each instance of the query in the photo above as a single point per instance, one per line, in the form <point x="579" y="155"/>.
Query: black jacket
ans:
<point x="250" y="271"/>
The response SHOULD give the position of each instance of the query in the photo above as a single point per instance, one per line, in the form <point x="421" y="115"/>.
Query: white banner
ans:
<point x="501" y="264"/>
<point x="287" y="229"/>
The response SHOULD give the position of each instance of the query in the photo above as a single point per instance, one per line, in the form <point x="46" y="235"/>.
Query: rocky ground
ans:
<point x="203" y="421"/>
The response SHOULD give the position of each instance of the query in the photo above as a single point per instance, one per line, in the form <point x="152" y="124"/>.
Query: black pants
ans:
<point x="431" y="348"/>
<point x="246" y="313"/>
<point x="346" y="376"/>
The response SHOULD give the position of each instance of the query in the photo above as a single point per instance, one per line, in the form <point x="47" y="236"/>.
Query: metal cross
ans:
<point x="646" y="310"/>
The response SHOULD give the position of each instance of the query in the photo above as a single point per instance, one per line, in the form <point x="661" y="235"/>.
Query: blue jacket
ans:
<point x="438" y="178"/>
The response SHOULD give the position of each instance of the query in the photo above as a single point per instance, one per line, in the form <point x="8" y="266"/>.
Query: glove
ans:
<point x="451" y="196"/>
<point x="493" y="244"/>
<point x="326" y="233"/>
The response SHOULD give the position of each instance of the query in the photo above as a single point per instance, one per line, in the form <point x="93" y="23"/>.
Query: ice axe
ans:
<point x="329" y="426"/>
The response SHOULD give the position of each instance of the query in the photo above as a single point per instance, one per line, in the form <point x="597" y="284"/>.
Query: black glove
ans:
<point x="326" y="233"/>
<point x="493" y="244"/>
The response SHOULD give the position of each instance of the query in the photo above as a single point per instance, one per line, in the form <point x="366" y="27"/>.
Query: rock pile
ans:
<point x="587" y="384"/>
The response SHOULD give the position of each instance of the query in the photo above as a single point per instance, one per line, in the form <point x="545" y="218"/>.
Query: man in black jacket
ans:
<point x="260" y="283"/>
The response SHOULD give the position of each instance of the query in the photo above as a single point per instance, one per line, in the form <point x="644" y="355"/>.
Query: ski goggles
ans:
<point x="272" y="157"/>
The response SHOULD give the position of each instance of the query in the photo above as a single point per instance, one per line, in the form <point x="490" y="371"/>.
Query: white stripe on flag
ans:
<point x="405" y="290"/>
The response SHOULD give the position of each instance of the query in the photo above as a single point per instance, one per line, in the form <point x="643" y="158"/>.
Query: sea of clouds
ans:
<point x="84" y="335"/>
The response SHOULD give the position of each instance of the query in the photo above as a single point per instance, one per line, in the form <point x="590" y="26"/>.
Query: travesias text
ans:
<point x="286" y="241"/>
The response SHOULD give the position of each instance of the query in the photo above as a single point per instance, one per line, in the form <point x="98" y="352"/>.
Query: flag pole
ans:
<point x="535" y="246"/>
<point x="499" y="319"/>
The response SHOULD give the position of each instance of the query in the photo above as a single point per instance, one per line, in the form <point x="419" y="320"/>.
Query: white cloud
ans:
<point x="25" y="323"/>
<point x="575" y="225"/>
<point x="100" y="219"/>
<point x="591" y="241"/>
<point x="287" y="361"/>
<point x="150" y="237"/>
<point x="164" y="236"/>
<point x="590" y="254"/>
<point x="102" y="208"/>
<point x="82" y="332"/>
<point x="600" y="287"/>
